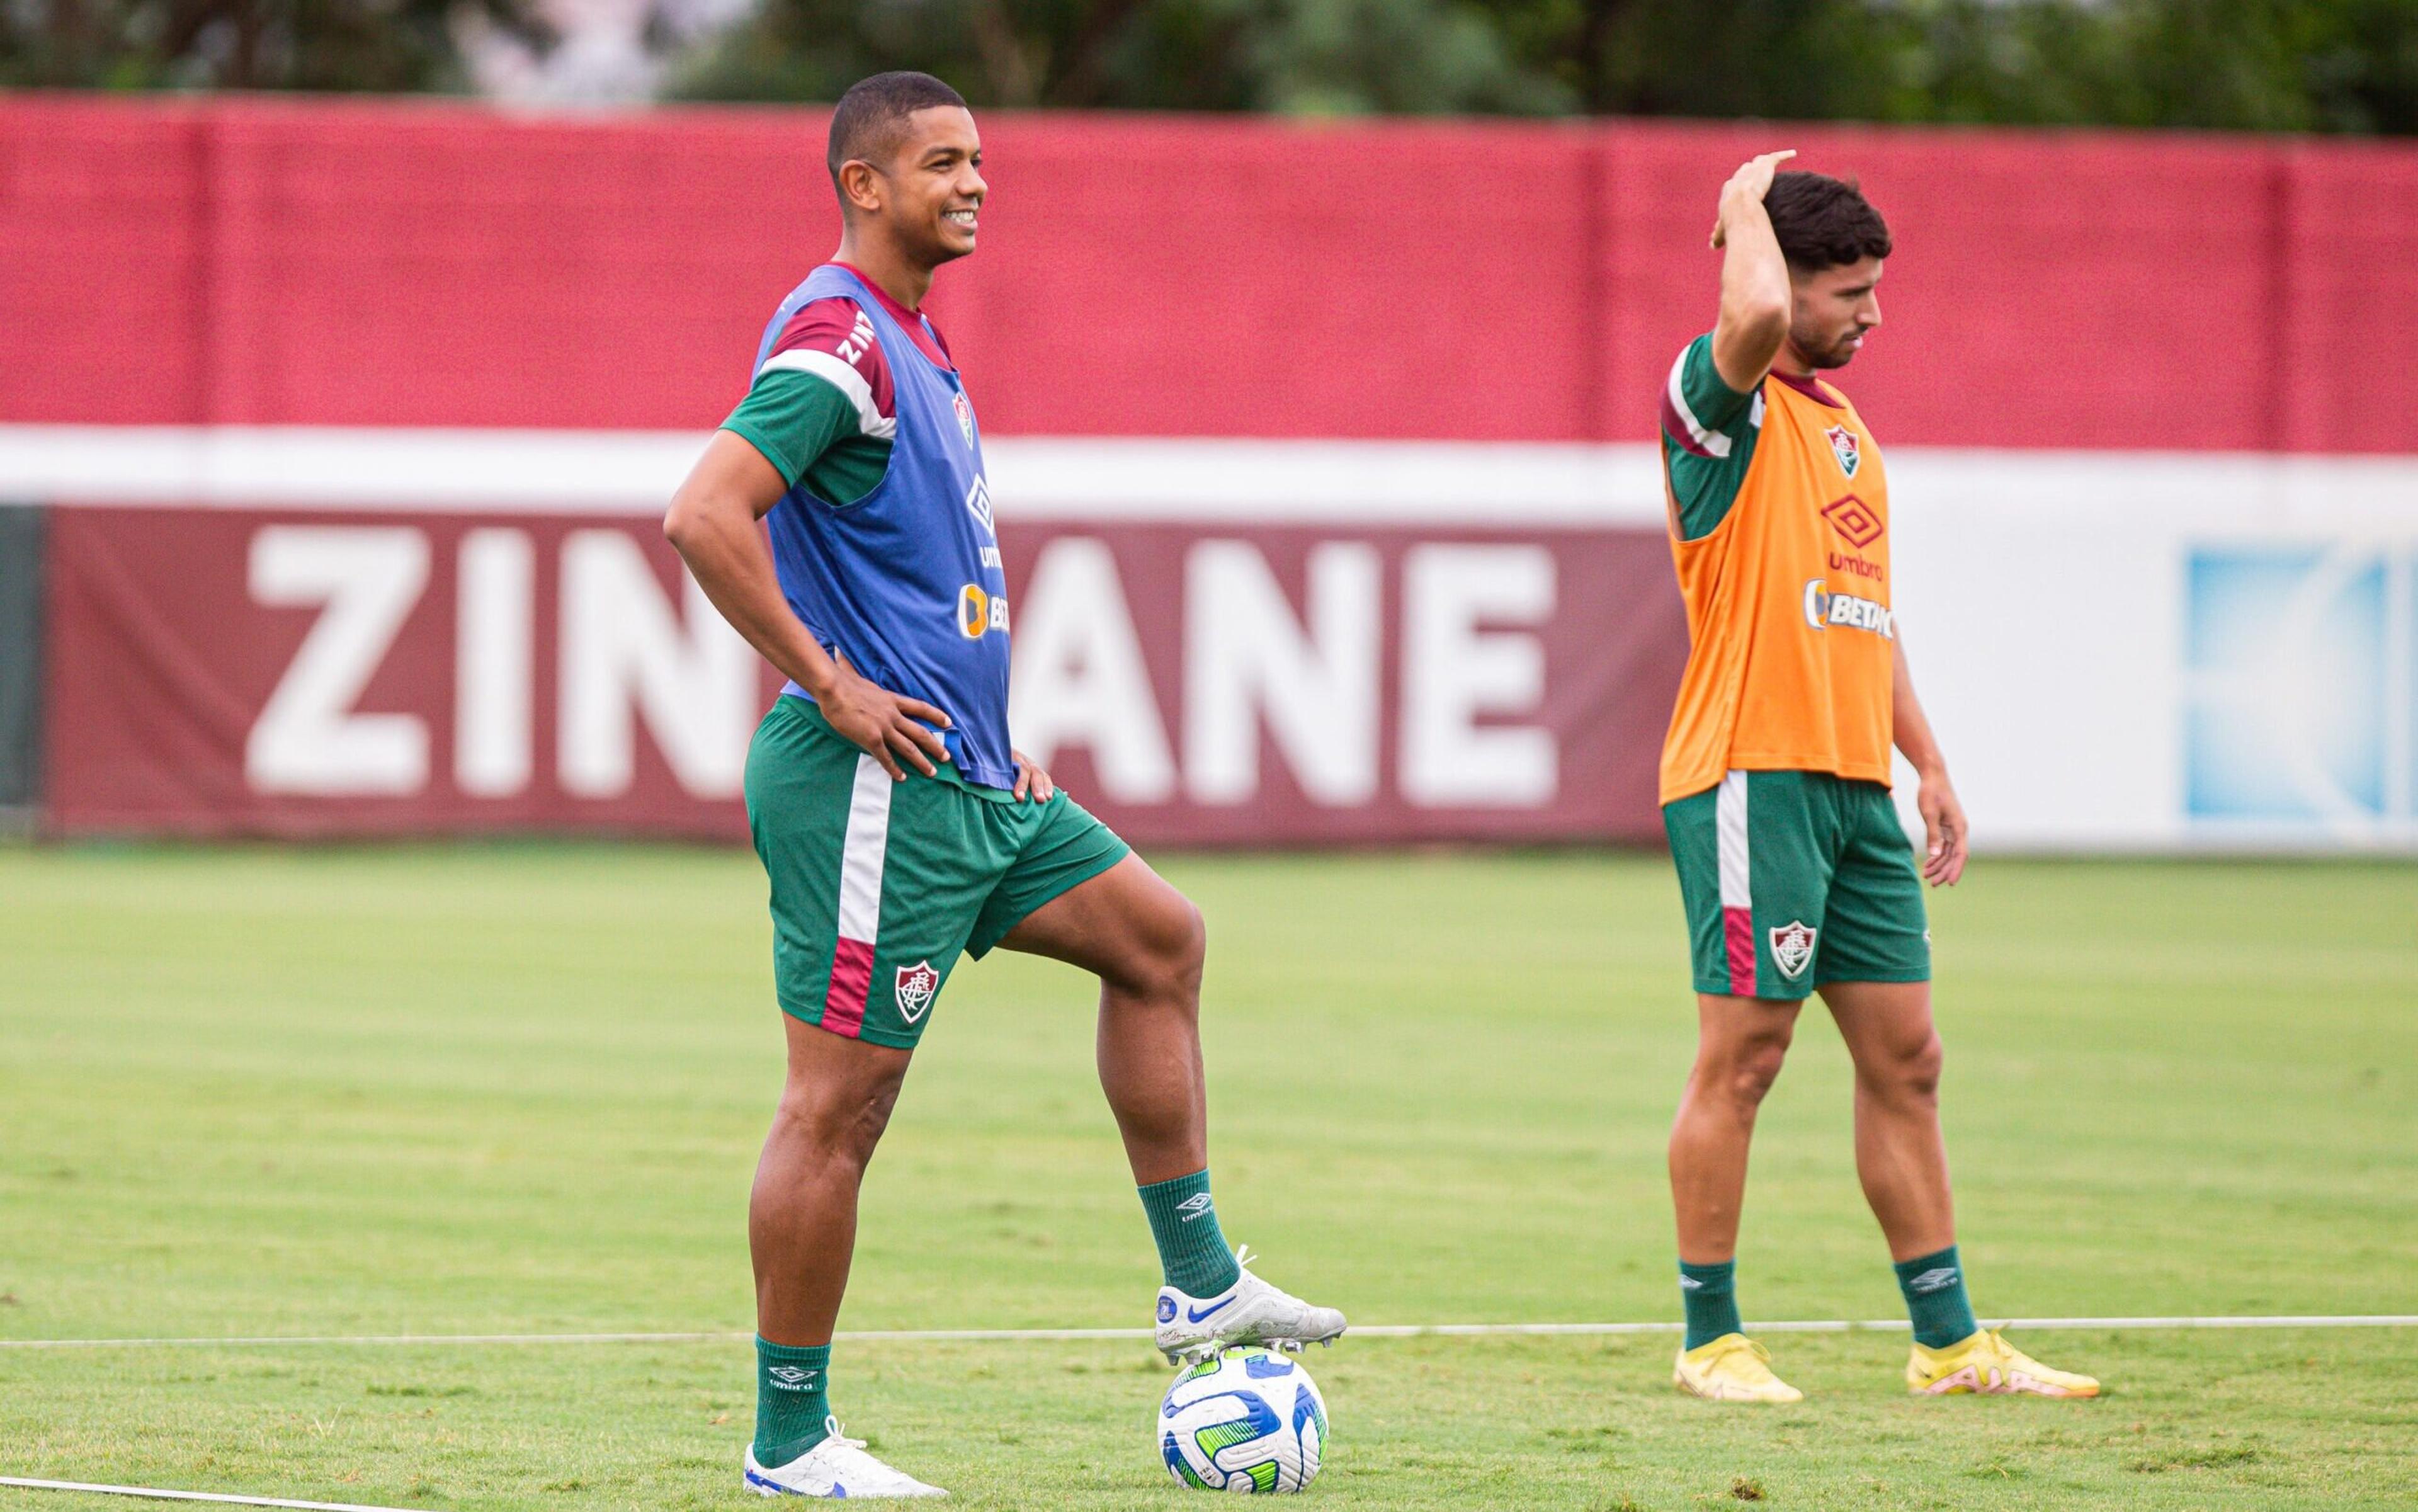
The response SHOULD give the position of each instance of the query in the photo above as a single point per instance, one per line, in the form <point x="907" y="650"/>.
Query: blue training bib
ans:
<point x="906" y="582"/>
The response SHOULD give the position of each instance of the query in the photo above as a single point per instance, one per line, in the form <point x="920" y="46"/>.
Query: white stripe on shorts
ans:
<point x="1729" y="819"/>
<point x="860" y="854"/>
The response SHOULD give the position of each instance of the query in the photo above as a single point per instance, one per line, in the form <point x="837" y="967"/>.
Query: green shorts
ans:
<point x="1795" y="878"/>
<point x="877" y="884"/>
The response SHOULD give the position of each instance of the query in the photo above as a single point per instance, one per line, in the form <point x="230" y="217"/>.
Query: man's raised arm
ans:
<point x="1755" y="299"/>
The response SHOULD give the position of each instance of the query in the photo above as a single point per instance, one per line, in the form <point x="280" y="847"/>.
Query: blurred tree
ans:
<point x="2253" y="65"/>
<point x="245" y="44"/>
<point x="1318" y="56"/>
<point x="2262" y="64"/>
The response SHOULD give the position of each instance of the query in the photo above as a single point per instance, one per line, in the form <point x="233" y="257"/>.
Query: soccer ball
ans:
<point x="1246" y="1420"/>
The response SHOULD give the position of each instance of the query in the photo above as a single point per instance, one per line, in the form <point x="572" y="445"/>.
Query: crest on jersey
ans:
<point x="1792" y="947"/>
<point x="966" y="417"/>
<point x="1845" y="446"/>
<point x="978" y="500"/>
<point x="916" y="986"/>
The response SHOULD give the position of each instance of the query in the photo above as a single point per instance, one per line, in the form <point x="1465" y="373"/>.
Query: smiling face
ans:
<point x="1833" y="308"/>
<point x="929" y="193"/>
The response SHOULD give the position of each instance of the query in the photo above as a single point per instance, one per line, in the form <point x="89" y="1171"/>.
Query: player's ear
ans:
<point x="859" y="186"/>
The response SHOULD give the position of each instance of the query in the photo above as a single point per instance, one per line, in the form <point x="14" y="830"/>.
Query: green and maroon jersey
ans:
<point x="823" y="408"/>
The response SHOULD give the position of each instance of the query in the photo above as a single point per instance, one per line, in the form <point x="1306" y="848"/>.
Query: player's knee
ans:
<point x="1755" y="1069"/>
<point x="1189" y="937"/>
<point x="1168" y="952"/>
<point x="837" y="1127"/>
<point x="1918" y="1072"/>
<point x="1740" y="1072"/>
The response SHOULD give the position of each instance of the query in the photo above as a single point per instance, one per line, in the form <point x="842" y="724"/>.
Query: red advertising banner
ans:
<point x="301" y="673"/>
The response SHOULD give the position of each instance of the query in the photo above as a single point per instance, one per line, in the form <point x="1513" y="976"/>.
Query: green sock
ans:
<point x="1935" y="1299"/>
<point x="1192" y="1253"/>
<point x="792" y="1401"/>
<point x="1709" y="1294"/>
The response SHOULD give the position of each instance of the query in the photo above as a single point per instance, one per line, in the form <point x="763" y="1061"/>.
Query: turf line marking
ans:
<point x="157" y="1494"/>
<point x="1833" y="1325"/>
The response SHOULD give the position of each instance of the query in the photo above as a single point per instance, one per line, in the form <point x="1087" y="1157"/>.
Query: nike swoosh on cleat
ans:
<point x="1200" y="1314"/>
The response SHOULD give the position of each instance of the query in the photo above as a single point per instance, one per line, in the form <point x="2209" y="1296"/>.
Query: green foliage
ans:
<point x="244" y="45"/>
<point x="2348" y="65"/>
<point x="2261" y="65"/>
<point x="1301" y="57"/>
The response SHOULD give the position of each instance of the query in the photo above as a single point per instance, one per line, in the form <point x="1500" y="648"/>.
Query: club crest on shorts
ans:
<point x="1792" y="947"/>
<point x="1845" y="446"/>
<point x="916" y="984"/>
<point x="966" y="418"/>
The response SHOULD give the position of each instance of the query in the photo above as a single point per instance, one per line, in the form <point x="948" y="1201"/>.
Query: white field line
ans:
<point x="1830" y="1325"/>
<point x="157" y="1494"/>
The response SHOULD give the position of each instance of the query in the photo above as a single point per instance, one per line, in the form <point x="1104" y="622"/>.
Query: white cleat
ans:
<point x="836" y="1467"/>
<point x="1248" y="1312"/>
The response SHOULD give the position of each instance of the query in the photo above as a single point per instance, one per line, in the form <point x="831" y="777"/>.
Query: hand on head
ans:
<point x="1754" y="181"/>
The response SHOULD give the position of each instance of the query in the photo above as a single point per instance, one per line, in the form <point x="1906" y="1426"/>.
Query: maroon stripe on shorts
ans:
<point x="852" y="981"/>
<point x="1737" y="931"/>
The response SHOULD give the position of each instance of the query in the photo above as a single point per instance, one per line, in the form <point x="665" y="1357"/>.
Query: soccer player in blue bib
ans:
<point x="898" y="826"/>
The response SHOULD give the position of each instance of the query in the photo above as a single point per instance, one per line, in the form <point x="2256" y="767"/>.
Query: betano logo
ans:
<point x="1825" y="609"/>
<point x="2300" y="688"/>
<point x="979" y="612"/>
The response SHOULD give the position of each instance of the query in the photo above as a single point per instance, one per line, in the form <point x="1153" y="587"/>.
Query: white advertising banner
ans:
<point x="2123" y="651"/>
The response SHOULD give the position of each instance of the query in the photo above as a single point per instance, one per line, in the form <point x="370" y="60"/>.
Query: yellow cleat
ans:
<point x="1731" y="1369"/>
<point x="1988" y="1366"/>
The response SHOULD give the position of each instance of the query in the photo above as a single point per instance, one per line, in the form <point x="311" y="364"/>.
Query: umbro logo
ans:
<point x="1688" y="1283"/>
<point x="1939" y="1279"/>
<point x="793" y="1377"/>
<point x="1197" y="1205"/>
<point x="978" y="500"/>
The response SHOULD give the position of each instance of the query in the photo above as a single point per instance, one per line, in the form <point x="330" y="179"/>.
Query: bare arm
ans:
<point x="714" y="524"/>
<point x="1755" y="299"/>
<point x="1943" y="813"/>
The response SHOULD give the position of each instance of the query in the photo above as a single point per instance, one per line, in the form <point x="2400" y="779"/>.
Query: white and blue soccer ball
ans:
<point x="1246" y="1420"/>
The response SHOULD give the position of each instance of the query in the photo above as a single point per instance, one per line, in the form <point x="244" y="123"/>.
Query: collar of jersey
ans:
<point x="917" y="326"/>
<point x="1811" y="387"/>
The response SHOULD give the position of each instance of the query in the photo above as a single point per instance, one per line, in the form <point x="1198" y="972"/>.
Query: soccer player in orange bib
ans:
<point x="1796" y="874"/>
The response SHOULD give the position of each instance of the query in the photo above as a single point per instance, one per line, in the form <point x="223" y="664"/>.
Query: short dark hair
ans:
<point x="1824" y="222"/>
<point x="873" y="114"/>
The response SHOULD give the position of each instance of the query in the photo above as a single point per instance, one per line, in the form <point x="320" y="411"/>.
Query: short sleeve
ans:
<point x="793" y="418"/>
<point x="1710" y="431"/>
<point x="1699" y="410"/>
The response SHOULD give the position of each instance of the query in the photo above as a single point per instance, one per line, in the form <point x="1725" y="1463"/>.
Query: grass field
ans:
<point x="517" y="1090"/>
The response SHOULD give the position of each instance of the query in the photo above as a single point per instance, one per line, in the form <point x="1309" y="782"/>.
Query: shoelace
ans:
<point x="1241" y="1255"/>
<point x="832" y="1426"/>
<point x="851" y="1459"/>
